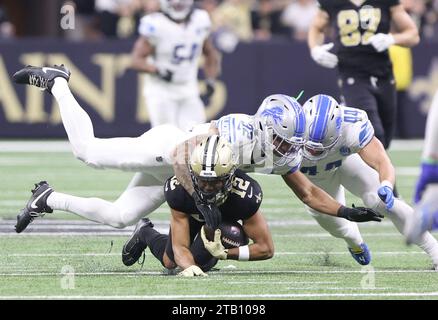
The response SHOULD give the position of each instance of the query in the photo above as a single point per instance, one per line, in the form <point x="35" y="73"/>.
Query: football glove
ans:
<point x="215" y="247"/>
<point x="322" y="56"/>
<point x="165" y="75"/>
<point x="209" y="90"/>
<point x="382" y="41"/>
<point x="429" y="174"/>
<point x="359" y="214"/>
<point x="211" y="213"/>
<point x="386" y="194"/>
<point x="192" y="271"/>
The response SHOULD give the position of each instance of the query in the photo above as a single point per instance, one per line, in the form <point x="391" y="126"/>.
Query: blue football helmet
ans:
<point x="323" y="126"/>
<point x="280" y="125"/>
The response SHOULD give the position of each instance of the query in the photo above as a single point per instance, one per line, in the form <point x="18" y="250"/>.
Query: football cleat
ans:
<point x="134" y="247"/>
<point x="35" y="207"/>
<point x="42" y="78"/>
<point x="362" y="256"/>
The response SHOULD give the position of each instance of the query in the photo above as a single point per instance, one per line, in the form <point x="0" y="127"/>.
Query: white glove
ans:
<point x="192" y="271"/>
<point x="382" y="41"/>
<point x="322" y="56"/>
<point x="215" y="247"/>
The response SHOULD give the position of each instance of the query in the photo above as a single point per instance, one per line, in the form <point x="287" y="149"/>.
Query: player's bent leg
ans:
<point x="134" y="203"/>
<point x="202" y="257"/>
<point x="363" y="181"/>
<point x="36" y="206"/>
<point x="347" y="230"/>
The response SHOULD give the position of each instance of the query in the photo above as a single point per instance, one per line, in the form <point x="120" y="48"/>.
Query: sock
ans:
<point x="156" y="242"/>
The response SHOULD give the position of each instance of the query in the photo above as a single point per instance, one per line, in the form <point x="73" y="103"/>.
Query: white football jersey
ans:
<point x="356" y="132"/>
<point x="178" y="46"/>
<point x="238" y="129"/>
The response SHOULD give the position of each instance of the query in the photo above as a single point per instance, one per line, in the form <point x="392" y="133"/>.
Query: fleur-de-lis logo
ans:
<point x="424" y="88"/>
<point x="276" y="113"/>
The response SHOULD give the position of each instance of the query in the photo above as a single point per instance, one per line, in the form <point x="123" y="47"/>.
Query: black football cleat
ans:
<point x="35" y="207"/>
<point x="41" y="77"/>
<point x="134" y="247"/>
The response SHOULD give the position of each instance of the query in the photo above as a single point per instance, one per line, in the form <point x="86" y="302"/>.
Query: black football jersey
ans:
<point x="354" y="22"/>
<point x="243" y="201"/>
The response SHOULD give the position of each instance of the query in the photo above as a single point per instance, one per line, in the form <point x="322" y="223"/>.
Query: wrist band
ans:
<point x="244" y="253"/>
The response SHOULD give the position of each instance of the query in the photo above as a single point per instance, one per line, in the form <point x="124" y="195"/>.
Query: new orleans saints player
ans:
<point x="361" y="53"/>
<point x="217" y="182"/>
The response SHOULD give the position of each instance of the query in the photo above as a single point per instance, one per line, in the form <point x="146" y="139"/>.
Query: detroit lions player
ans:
<point x="271" y="139"/>
<point x="426" y="190"/>
<point x="342" y="151"/>
<point x="168" y="49"/>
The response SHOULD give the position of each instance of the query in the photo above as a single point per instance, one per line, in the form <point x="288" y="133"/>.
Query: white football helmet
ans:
<point x="323" y="126"/>
<point x="177" y="10"/>
<point x="280" y="125"/>
<point x="212" y="166"/>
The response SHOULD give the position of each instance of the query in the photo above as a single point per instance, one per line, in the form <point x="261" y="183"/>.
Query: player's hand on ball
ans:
<point x="359" y="214"/>
<point x="192" y="271"/>
<point x="322" y="56"/>
<point x="215" y="247"/>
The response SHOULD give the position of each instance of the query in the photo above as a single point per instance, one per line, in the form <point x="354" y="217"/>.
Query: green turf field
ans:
<point x="308" y="264"/>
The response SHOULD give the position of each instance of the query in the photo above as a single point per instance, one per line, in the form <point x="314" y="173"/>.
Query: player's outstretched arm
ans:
<point x="179" y="226"/>
<point x="375" y="156"/>
<point x="319" y="200"/>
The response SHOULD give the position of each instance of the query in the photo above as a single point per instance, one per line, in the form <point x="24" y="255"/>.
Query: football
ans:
<point x="233" y="235"/>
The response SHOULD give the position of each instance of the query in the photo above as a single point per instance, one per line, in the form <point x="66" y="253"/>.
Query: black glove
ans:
<point x="359" y="214"/>
<point x="211" y="213"/>
<point x="209" y="91"/>
<point x="165" y="75"/>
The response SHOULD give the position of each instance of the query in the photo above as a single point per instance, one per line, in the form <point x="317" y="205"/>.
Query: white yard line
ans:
<point x="221" y="272"/>
<point x="284" y="253"/>
<point x="228" y="296"/>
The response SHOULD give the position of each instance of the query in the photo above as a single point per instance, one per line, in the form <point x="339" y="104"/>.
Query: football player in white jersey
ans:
<point x="274" y="136"/>
<point x="168" y="50"/>
<point x="340" y="152"/>
<point x="426" y="190"/>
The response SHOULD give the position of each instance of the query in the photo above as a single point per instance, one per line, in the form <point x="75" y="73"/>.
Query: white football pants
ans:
<point x="148" y="155"/>
<point x="167" y="105"/>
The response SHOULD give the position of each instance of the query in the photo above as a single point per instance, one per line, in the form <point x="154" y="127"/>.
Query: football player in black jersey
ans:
<point x="217" y="182"/>
<point x="360" y="51"/>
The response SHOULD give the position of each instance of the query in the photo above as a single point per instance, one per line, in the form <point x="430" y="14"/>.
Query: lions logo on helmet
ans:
<point x="323" y="130"/>
<point x="212" y="167"/>
<point x="177" y="10"/>
<point x="280" y="126"/>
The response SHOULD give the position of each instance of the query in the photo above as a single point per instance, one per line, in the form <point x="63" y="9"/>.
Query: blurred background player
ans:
<point x="168" y="50"/>
<point x="342" y="151"/>
<point x="426" y="191"/>
<point x="238" y="197"/>
<point x="361" y="54"/>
